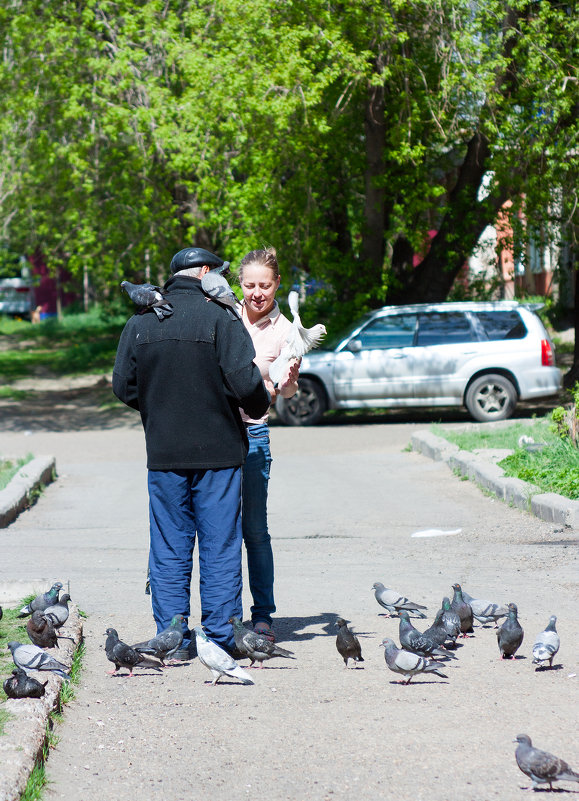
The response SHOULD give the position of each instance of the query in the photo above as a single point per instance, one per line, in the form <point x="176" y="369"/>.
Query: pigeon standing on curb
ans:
<point x="540" y="766"/>
<point x="300" y="340"/>
<point x="219" y="662"/>
<point x="122" y="655"/>
<point x="485" y="611"/>
<point x="257" y="648"/>
<point x="58" y="613"/>
<point x="31" y="657"/>
<point x="415" y="641"/>
<point x="347" y="643"/>
<point x="149" y="297"/>
<point x="510" y="635"/>
<point x="392" y="601"/>
<point x="407" y="663"/>
<point x="42" y="601"/>
<point x="20" y="685"/>
<point x="463" y="610"/>
<point x="41" y="630"/>
<point x="546" y="644"/>
<point x="166" y="643"/>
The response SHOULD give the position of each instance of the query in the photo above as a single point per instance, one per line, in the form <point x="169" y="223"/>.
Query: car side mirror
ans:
<point x="354" y="345"/>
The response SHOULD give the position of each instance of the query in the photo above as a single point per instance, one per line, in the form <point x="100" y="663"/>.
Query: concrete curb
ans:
<point x="25" y="732"/>
<point x="481" y="468"/>
<point x="18" y="494"/>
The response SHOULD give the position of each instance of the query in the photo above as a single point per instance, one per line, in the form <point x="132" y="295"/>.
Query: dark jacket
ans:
<point x="188" y="375"/>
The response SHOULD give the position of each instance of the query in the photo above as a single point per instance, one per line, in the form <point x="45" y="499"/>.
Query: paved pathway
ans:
<point x="344" y="501"/>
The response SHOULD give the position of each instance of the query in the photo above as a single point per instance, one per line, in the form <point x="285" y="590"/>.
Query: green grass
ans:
<point x="500" y="437"/>
<point x="10" y="629"/>
<point x="80" y="343"/>
<point x="9" y="468"/>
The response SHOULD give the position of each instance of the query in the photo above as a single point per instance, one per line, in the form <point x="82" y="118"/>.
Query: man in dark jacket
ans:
<point x="187" y="375"/>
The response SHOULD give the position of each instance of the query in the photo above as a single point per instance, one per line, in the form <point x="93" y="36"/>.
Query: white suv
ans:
<point x="485" y="356"/>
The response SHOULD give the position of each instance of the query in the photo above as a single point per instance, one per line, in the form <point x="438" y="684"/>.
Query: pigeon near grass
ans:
<point x="463" y="610"/>
<point x="407" y="663"/>
<point x="20" y="685"/>
<point x="300" y="340"/>
<point x="41" y="630"/>
<point x="393" y="602"/>
<point x="418" y="643"/>
<point x="218" y="661"/>
<point x="541" y="766"/>
<point x="510" y="634"/>
<point x="347" y="643"/>
<point x="41" y="602"/>
<point x="165" y="644"/>
<point x="122" y="655"/>
<point x="546" y="644"/>
<point x="58" y="613"/>
<point x="253" y="645"/>
<point x="149" y="297"/>
<point x="485" y="611"/>
<point x="31" y="657"/>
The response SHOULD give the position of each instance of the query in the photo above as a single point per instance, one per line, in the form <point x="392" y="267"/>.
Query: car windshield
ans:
<point x="332" y="342"/>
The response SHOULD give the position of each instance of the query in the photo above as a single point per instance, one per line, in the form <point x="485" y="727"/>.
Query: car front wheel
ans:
<point x="491" y="397"/>
<point x="306" y="407"/>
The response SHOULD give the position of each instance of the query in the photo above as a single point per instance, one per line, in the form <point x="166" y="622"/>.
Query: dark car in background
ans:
<point x="485" y="356"/>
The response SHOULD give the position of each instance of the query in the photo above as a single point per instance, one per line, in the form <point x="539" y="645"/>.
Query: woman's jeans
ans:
<point x="254" y="523"/>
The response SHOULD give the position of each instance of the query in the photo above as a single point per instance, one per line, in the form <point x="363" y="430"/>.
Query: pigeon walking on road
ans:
<point x="148" y="296"/>
<point x="407" y="663"/>
<point x="41" y="630"/>
<point x="41" y="602"/>
<point x="450" y="620"/>
<point x="546" y="644"/>
<point x="219" y="662"/>
<point x="122" y="655"/>
<point x="31" y="657"/>
<point x="392" y="601"/>
<point x="510" y="635"/>
<point x="166" y="643"/>
<point x="347" y="643"/>
<point x="540" y="766"/>
<point x="257" y="648"/>
<point x="463" y="610"/>
<point x="299" y="341"/>
<point x="485" y="611"/>
<point x="415" y="641"/>
<point x="58" y="613"/>
<point x="19" y="685"/>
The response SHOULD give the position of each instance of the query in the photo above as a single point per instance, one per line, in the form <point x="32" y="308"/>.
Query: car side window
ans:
<point x="502" y="324"/>
<point x="444" y="328"/>
<point x="392" y="331"/>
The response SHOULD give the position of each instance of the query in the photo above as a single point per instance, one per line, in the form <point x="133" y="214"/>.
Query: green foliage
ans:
<point x="499" y="437"/>
<point x="9" y="468"/>
<point x="555" y="469"/>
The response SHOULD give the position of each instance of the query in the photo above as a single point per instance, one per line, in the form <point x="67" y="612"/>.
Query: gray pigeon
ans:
<point x="19" y="685"/>
<point x="407" y="663"/>
<point x="219" y="662"/>
<point x="437" y="632"/>
<point x="347" y="643"/>
<point x="257" y="648"/>
<point x="58" y="613"/>
<point x="41" y="631"/>
<point x="42" y="601"/>
<point x="393" y="601"/>
<point x="463" y="610"/>
<point x="510" y="635"/>
<point x="122" y="655"/>
<point x="546" y="644"/>
<point x="540" y="766"/>
<point x="31" y="657"/>
<point x="485" y="611"/>
<point x="148" y="296"/>
<point x="215" y="285"/>
<point x="165" y="643"/>
<point x="450" y="620"/>
<point x="413" y="640"/>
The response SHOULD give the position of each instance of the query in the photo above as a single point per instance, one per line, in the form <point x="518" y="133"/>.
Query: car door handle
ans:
<point x="398" y="356"/>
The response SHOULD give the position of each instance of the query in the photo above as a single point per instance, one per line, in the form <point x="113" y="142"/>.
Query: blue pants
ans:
<point x="183" y="504"/>
<point x="254" y="522"/>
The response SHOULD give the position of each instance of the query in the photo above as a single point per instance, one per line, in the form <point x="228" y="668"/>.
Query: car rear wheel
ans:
<point x="307" y="406"/>
<point x="491" y="397"/>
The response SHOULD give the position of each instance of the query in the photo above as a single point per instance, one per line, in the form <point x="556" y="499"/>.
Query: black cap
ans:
<point x="194" y="257"/>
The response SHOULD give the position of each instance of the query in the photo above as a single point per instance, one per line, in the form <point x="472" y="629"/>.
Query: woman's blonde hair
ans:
<point x="266" y="257"/>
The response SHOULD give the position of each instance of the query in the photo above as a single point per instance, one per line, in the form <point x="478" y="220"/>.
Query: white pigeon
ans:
<point x="546" y="644"/>
<point x="300" y="340"/>
<point x="219" y="662"/>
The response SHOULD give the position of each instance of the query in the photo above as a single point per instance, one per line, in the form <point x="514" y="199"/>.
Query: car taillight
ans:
<point x="547" y="356"/>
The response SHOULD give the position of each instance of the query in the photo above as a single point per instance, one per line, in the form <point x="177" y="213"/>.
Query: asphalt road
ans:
<point x="344" y="500"/>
